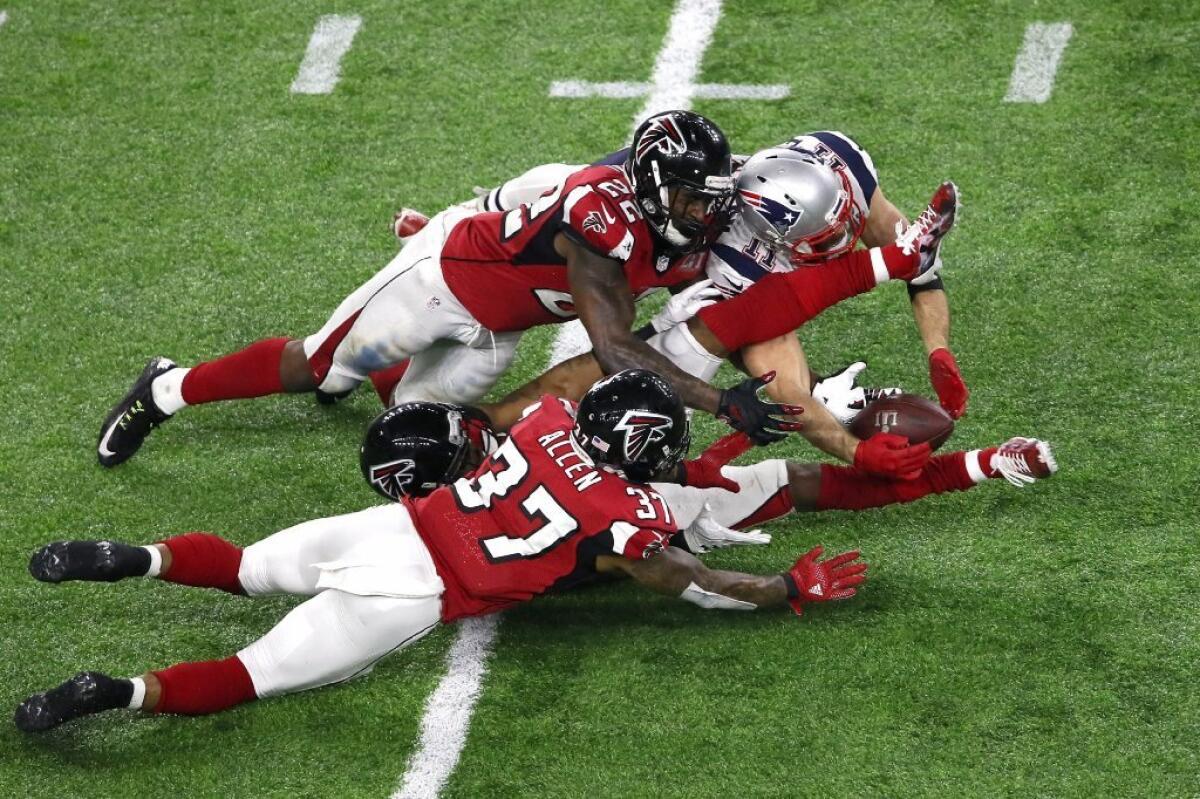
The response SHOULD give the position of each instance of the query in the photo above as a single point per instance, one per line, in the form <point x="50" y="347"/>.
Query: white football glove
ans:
<point x="683" y="306"/>
<point x="839" y="394"/>
<point x="706" y="534"/>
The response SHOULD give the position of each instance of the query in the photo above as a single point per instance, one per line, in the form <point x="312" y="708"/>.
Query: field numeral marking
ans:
<point x="331" y="38"/>
<point x="1037" y="63"/>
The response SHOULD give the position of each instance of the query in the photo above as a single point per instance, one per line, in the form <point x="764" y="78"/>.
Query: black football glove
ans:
<point x="742" y="409"/>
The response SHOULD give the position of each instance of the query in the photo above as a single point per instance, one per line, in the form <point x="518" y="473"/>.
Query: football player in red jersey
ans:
<point x="413" y="448"/>
<point x="456" y="299"/>
<point x="561" y="501"/>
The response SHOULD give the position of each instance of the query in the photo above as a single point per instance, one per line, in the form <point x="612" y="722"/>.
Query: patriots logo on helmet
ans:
<point x="663" y="135"/>
<point x="642" y="429"/>
<point x="593" y="221"/>
<point x="776" y="213"/>
<point x="395" y="477"/>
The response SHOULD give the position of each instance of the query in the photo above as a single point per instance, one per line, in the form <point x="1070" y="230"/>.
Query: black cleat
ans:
<point x="132" y="419"/>
<point x="98" y="561"/>
<point x="84" y="694"/>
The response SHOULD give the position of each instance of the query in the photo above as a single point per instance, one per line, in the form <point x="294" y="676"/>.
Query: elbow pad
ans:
<point x="707" y="599"/>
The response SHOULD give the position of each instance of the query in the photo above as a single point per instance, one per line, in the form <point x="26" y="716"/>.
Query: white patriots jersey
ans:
<point x="738" y="260"/>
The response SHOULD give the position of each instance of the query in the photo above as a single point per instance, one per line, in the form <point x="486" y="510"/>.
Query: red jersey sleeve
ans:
<point x="637" y="543"/>
<point x="592" y="220"/>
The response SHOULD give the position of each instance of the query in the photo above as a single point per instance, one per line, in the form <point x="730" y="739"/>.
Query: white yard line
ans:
<point x="3" y="17"/>
<point x="331" y="38"/>
<point x="1037" y="63"/>
<point x="448" y="711"/>
<point x="672" y="85"/>
<point x="623" y="90"/>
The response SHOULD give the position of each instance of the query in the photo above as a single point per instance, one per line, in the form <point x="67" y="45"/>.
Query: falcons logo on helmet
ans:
<point x="662" y="135"/>
<point x="395" y="477"/>
<point x="642" y="429"/>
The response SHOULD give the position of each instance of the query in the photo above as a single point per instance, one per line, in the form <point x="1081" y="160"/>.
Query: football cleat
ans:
<point x="924" y="236"/>
<point x="97" y="561"/>
<point x="132" y="419"/>
<point x="85" y="693"/>
<point x="1021" y="461"/>
<point x="408" y="223"/>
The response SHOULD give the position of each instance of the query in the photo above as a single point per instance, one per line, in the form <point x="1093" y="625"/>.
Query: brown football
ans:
<point x="908" y="415"/>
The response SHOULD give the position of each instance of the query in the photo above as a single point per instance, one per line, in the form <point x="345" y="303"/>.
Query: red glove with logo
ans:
<point x="705" y="471"/>
<point x="889" y="455"/>
<point x="947" y="382"/>
<point x="810" y="581"/>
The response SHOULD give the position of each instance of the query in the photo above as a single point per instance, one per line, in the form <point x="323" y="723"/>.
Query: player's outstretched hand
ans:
<point x="705" y="471"/>
<point x="813" y="581"/>
<point x="948" y="383"/>
<point x="706" y="534"/>
<point x="889" y="455"/>
<point x="684" y="305"/>
<point x="843" y="397"/>
<point x="743" y="409"/>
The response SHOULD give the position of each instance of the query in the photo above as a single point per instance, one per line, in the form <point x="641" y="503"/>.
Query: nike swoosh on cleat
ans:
<point x="105" y="452"/>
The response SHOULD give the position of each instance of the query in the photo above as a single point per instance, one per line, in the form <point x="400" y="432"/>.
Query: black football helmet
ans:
<point x="685" y="151"/>
<point x="414" y="447"/>
<point x="635" y="422"/>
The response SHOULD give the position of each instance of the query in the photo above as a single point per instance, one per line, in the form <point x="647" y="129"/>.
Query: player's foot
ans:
<point x="132" y="419"/>
<point x="1021" y="461"/>
<point x="99" y="561"/>
<point x="84" y="694"/>
<point x="924" y="236"/>
<point x="408" y="223"/>
<point x="327" y="398"/>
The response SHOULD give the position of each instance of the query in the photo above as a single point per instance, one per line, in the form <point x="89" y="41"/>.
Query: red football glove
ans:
<point x="705" y="471"/>
<point x="810" y="581"/>
<point x="889" y="455"/>
<point x="947" y="382"/>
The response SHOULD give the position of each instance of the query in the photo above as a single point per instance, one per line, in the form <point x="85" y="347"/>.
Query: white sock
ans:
<point x="974" y="467"/>
<point x="155" y="560"/>
<point x="139" y="693"/>
<point x="167" y="389"/>
<point x="879" y="267"/>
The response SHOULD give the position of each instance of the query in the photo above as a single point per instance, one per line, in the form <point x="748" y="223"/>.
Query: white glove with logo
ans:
<point x="844" y="399"/>
<point x="706" y="534"/>
<point x="683" y="306"/>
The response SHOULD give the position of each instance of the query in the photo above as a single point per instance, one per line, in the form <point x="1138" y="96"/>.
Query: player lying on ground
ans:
<point x="798" y="205"/>
<point x="457" y="298"/>
<point x="552" y="507"/>
<point x="415" y="447"/>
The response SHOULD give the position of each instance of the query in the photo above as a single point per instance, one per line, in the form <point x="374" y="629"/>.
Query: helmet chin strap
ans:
<point x="672" y="234"/>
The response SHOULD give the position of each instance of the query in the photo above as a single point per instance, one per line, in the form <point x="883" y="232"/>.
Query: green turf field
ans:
<point x="163" y="192"/>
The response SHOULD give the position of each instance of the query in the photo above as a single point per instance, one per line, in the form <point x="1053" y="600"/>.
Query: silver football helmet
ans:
<point x="799" y="204"/>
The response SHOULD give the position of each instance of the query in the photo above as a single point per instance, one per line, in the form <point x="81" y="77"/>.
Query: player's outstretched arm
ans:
<point x="569" y="380"/>
<point x="674" y="572"/>
<point x="604" y="305"/>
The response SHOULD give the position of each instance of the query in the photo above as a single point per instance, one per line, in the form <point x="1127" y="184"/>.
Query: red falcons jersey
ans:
<point x="533" y="518"/>
<point x="504" y="269"/>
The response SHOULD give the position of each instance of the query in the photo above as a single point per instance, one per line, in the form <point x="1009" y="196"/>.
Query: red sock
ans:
<point x="844" y="488"/>
<point x="205" y="561"/>
<point x="985" y="461"/>
<point x="784" y="301"/>
<point x="385" y="381"/>
<point x="207" y="686"/>
<point x="252" y="372"/>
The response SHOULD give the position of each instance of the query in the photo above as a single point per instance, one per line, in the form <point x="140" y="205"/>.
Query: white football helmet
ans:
<point x="799" y="204"/>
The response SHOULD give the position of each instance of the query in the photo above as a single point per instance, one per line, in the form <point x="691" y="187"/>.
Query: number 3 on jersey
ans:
<point x="478" y="494"/>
